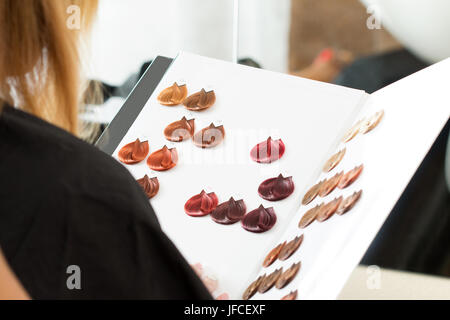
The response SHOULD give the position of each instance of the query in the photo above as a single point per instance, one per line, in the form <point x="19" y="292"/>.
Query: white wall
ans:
<point x="129" y="32"/>
<point x="422" y="26"/>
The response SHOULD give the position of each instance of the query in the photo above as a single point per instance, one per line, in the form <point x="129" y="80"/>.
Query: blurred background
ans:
<point x="364" y="44"/>
<point x="281" y="35"/>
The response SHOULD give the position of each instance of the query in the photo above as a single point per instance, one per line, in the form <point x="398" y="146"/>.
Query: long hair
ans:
<point x="40" y="65"/>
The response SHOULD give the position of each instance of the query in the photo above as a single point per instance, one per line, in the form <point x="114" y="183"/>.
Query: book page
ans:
<point x="415" y="111"/>
<point x="252" y="105"/>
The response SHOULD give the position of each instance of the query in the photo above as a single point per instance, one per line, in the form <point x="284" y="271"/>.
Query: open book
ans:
<point x="313" y="120"/>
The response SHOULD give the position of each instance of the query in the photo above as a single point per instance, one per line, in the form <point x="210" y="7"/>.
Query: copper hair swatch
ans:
<point x="180" y="130"/>
<point x="163" y="159"/>
<point x="173" y="95"/>
<point x="350" y="177"/>
<point x="134" y="152"/>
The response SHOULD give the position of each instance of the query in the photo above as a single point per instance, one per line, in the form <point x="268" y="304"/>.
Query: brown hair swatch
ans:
<point x="200" y="101"/>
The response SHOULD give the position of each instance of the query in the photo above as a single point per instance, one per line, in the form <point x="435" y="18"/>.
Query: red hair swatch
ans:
<point x="201" y="204"/>
<point x="268" y="151"/>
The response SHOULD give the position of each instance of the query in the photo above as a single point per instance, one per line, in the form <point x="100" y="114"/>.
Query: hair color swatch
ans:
<point x="180" y="130"/>
<point x="200" y="101"/>
<point x="163" y="159"/>
<point x="229" y="212"/>
<point x="173" y="95"/>
<point x="134" y="152"/>
<point x="210" y="136"/>
<point x="268" y="151"/>
<point x="259" y="220"/>
<point x="149" y="185"/>
<point x="201" y="204"/>
<point x="276" y="189"/>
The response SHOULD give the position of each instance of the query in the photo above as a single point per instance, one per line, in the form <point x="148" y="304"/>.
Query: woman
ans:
<point x="73" y="222"/>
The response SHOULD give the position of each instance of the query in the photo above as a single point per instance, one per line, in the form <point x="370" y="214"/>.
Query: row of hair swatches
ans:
<point x="319" y="213"/>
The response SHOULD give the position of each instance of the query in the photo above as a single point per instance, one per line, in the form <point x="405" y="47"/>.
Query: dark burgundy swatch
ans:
<point x="201" y="204"/>
<point x="229" y="212"/>
<point x="268" y="151"/>
<point x="259" y="220"/>
<point x="275" y="189"/>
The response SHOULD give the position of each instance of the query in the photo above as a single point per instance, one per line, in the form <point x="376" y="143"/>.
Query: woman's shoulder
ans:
<point x="17" y="127"/>
<point x="44" y="159"/>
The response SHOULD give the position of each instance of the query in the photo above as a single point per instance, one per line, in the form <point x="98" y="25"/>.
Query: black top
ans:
<point x="63" y="203"/>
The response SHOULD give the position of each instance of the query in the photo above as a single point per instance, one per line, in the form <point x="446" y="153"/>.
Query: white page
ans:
<point x="416" y="109"/>
<point x="251" y="104"/>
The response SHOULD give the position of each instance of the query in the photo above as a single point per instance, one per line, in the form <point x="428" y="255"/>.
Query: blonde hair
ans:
<point x="40" y="66"/>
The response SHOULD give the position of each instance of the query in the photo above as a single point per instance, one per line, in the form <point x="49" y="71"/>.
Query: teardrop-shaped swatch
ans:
<point x="199" y="101"/>
<point x="253" y="288"/>
<point x="163" y="159"/>
<point x="259" y="220"/>
<point x="290" y="248"/>
<point x="327" y="210"/>
<point x="134" y="152"/>
<point x="275" y="189"/>
<point x="353" y="131"/>
<point x="201" y="204"/>
<point x="290" y="296"/>
<point x="273" y="255"/>
<point x="210" y="136"/>
<point x="312" y="193"/>
<point x="329" y="185"/>
<point x="180" y="130"/>
<point x="269" y="281"/>
<point x="310" y="216"/>
<point x="334" y="160"/>
<point x="349" y="202"/>
<point x="268" y="151"/>
<point x="229" y="212"/>
<point x="350" y="177"/>
<point x="173" y="95"/>
<point x="288" y="275"/>
<point x="371" y="122"/>
<point x="150" y="186"/>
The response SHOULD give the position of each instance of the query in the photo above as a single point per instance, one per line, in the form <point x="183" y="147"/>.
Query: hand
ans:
<point x="209" y="281"/>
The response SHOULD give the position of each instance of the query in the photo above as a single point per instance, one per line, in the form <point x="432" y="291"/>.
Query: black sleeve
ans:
<point x="122" y="251"/>
<point x="114" y="237"/>
<point x="65" y="203"/>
